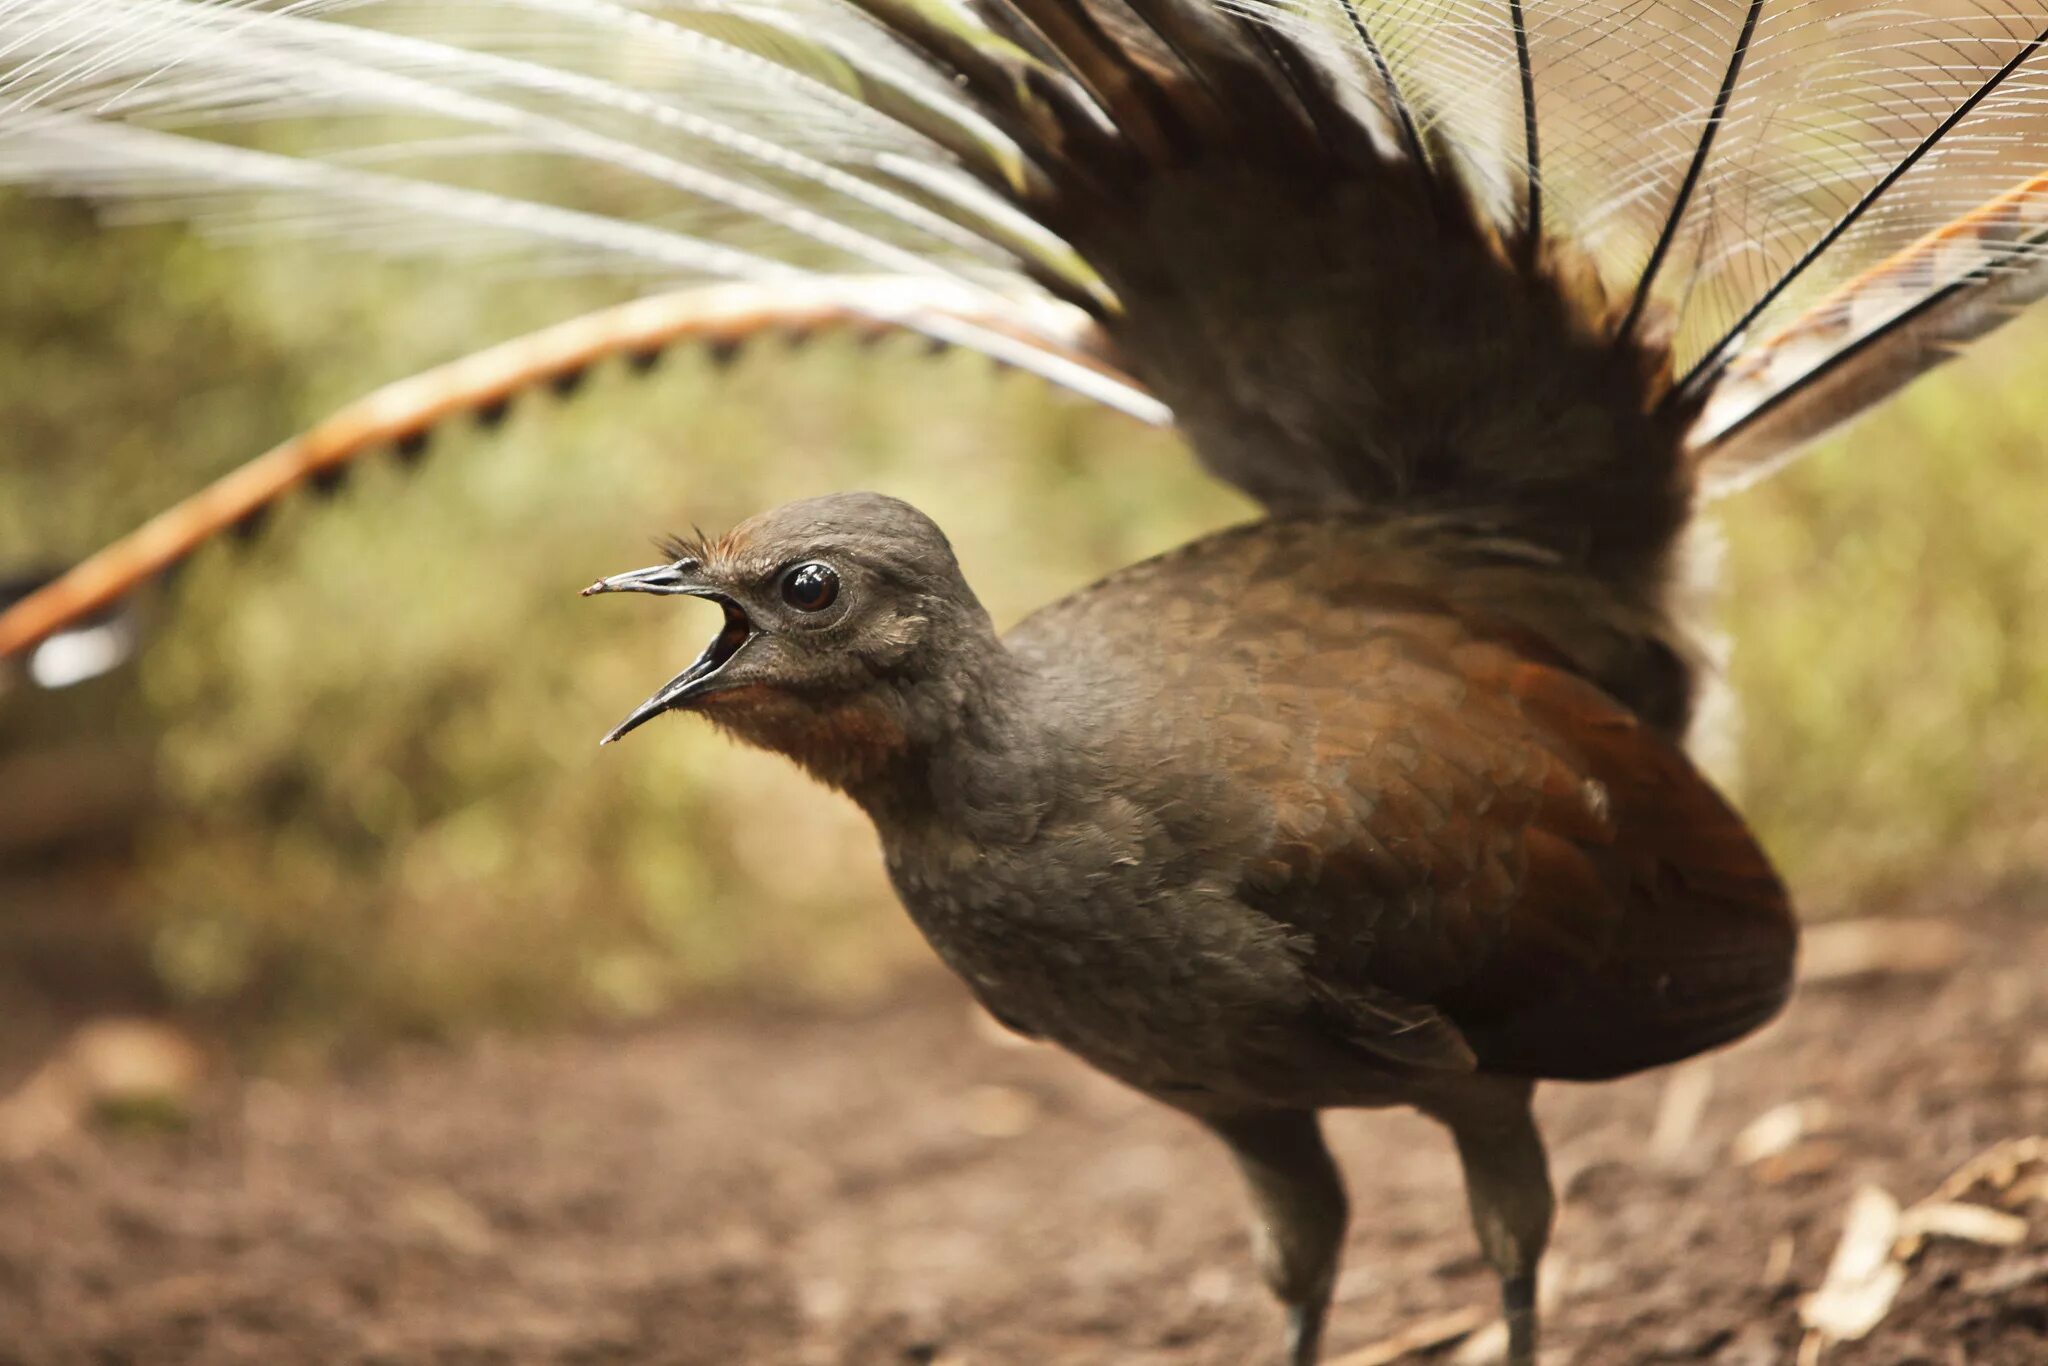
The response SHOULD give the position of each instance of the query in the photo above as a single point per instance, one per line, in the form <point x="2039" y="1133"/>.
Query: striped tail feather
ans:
<point x="1873" y="335"/>
<point x="1057" y="345"/>
<point x="1544" y="262"/>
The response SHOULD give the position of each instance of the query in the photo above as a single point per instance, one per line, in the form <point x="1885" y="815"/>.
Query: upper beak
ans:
<point x="669" y="580"/>
<point x="660" y="578"/>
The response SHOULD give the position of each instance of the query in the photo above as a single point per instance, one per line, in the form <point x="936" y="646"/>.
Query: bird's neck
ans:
<point x="962" y="728"/>
<point x="900" y="747"/>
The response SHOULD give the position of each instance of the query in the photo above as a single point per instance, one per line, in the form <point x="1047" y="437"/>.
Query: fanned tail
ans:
<point x="1540" y="267"/>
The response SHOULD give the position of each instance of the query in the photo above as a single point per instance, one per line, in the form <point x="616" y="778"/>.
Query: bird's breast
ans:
<point x="1080" y="937"/>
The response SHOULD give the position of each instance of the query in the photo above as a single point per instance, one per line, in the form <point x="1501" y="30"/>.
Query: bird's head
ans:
<point x="849" y="632"/>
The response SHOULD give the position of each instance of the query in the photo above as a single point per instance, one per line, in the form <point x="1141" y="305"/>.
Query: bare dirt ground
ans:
<point x="901" y="1187"/>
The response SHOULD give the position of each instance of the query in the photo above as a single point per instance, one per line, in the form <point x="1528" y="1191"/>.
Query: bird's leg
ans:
<point x="1298" y="1215"/>
<point x="1507" y="1182"/>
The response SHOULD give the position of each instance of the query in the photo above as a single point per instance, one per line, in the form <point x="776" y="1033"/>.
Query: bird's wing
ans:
<point x="1486" y="859"/>
<point x="1449" y="254"/>
<point x="1482" y="847"/>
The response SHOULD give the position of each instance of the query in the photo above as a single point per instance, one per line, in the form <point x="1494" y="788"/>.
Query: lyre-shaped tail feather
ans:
<point x="403" y="416"/>
<point x="1873" y="335"/>
<point x="1539" y="265"/>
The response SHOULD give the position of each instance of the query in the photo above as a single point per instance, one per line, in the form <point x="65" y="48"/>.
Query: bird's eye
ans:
<point x="811" y="587"/>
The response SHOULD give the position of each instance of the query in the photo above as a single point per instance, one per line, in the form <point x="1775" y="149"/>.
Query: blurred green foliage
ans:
<point x="380" y="806"/>
<point x="1885" y="598"/>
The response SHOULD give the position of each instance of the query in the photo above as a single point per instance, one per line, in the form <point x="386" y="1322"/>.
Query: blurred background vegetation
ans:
<point x="351" y="789"/>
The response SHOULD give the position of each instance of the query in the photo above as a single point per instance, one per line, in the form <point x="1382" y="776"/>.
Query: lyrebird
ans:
<point x="1381" y="800"/>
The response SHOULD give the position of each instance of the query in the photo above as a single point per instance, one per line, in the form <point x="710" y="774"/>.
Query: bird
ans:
<point x="1380" y="799"/>
<point x="1299" y="815"/>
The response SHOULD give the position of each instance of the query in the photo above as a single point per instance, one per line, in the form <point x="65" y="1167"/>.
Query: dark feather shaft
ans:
<point x="1715" y="356"/>
<point x="1532" y="153"/>
<point x="1683" y="200"/>
<point x="1411" y="137"/>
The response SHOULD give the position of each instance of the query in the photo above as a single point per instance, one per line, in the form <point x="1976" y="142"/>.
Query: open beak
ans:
<point x="674" y="580"/>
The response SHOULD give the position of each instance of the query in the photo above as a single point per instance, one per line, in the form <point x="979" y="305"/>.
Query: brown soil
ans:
<point x="903" y="1187"/>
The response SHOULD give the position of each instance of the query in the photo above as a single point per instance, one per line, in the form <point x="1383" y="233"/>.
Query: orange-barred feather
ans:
<point x="1060" y="344"/>
<point x="1865" y="339"/>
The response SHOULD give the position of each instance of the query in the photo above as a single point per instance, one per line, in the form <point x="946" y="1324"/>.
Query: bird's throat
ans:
<point x="845" y="742"/>
<point x="882" y="745"/>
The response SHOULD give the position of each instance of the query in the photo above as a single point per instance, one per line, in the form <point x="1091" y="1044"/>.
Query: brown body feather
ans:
<point x="1475" y="845"/>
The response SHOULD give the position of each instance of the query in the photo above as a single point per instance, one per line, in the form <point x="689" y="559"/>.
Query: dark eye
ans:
<point x="811" y="587"/>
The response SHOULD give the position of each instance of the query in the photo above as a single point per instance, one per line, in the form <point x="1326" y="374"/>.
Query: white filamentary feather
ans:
<point x="1826" y="98"/>
<point x="320" y="64"/>
<point x="116" y="161"/>
<point x="154" y="59"/>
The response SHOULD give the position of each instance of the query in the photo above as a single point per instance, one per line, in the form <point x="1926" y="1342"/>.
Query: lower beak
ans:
<point x="674" y="693"/>
<point x="670" y="580"/>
